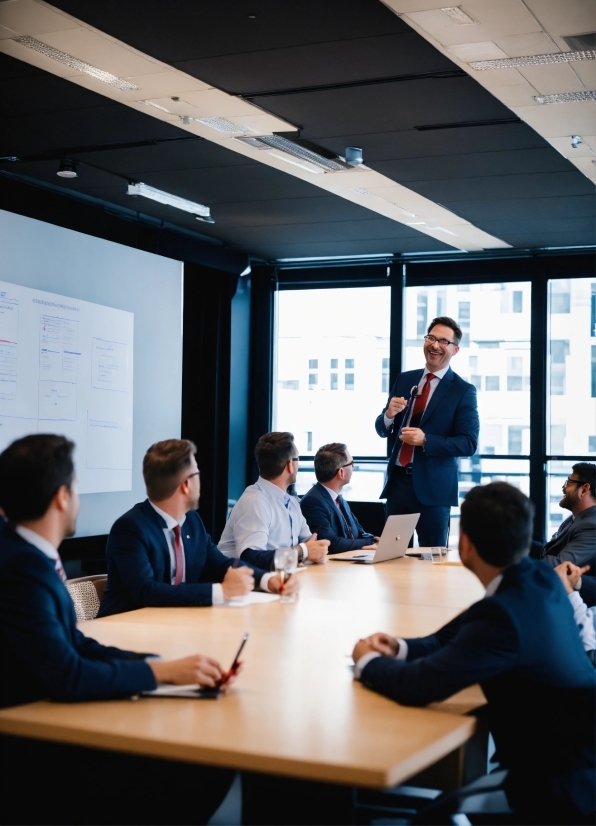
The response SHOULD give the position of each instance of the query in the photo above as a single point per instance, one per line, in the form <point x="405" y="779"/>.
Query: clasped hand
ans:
<point x="380" y="643"/>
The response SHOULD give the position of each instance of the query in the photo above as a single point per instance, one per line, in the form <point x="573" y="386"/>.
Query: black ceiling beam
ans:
<point x="67" y="151"/>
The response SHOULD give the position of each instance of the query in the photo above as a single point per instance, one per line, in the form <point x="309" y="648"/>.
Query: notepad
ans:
<point x="253" y="598"/>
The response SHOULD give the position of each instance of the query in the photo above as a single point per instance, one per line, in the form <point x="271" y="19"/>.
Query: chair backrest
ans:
<point x="86" y="593"/>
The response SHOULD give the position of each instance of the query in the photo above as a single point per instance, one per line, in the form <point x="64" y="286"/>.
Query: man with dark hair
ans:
<point x="433" y="413"/>
<point x="521" y="644"/>
<point x="575" y="540"/>
<point x="266" y="516"/>
<point x="159" y="553"/>
<point x="324" y="507"/>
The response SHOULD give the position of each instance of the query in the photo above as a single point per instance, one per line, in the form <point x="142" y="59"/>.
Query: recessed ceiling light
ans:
<point x="225" y="125"/>
<point x="156" y="106"/>
<point x="68" y="169"/>
<point x="294" y="149"/>
<point x="75" y="63"/>
<point x="533" y="60"/>
<point x="458" y="15"/>
<point x="361" y="191"/>
<point x="202" y="212"/>
<point x="567" y="97"/>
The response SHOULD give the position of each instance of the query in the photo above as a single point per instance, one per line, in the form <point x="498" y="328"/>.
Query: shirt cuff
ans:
<point x="578" y="585"/>
<point x="364" y="661"/>
<point x="217" y="594"/>
<point x="388" y="422"/>
<point x="264" y="583"/>
<point x="304" y="550"/>
<point x="402" y="651"/>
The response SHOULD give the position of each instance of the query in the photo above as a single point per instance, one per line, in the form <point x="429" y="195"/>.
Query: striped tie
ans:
<point x="60" y="570"/>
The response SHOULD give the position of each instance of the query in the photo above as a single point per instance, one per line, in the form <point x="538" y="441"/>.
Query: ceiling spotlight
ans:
<point x="575" y="141"/>
<point x="246" y="271"/>
<point x="202" y="212"/>
<point x="354" y="155"/>
<point x="68" y="169"/>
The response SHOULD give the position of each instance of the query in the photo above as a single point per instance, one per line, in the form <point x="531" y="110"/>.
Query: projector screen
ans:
<point x="91" y="348"/>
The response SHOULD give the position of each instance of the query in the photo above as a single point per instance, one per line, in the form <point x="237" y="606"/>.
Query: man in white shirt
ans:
<point x="433" y="414"/>
<point x="266" y="516"/>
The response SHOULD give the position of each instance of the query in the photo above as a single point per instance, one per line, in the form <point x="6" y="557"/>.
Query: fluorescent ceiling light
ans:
<point x="567" y="97"/>
<point x="361" y="191"/>
<point x="75" y="63"/>
<point x="202" y="212"/>
<point x="156" y="106"/>
<point x="533" y="60"/>
<point x="458" y="15"/>
<point x="225" y="125"/>
<point x="294" y="149"/>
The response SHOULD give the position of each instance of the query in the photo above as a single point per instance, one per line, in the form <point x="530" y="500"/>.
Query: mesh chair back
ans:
<point x="86" y="593"/>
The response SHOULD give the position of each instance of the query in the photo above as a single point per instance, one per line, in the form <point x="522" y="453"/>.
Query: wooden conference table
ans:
<point x="295" y="710"/>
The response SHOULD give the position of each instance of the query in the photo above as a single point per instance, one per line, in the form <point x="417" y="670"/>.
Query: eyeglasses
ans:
<point x="569" y="481"/>
<point x="444" y="342"/>
<point x="295" y="459"/>
<point x="350" y="464"/>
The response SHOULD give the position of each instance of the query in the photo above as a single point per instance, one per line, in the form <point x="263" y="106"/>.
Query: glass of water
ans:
<point x="438" y="555"/>
<point x="285" y="561"/>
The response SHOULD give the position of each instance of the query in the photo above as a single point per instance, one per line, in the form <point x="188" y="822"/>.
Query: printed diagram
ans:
<point x="9" y="325"/>
<point x="58" y="368"/>
<point x="108" y="365"/>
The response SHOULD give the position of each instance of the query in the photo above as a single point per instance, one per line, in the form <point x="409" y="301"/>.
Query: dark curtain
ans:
<point x="260" y="397"/>
<point x="207" y="322"/>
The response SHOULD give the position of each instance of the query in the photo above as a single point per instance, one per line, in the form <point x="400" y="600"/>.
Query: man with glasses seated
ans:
<point x="325" y="509"/>
<point x="575" y="541"/>
<point x="432" y="414"/>
<point x="159" y="553"/>
<point x="267" y="517"/>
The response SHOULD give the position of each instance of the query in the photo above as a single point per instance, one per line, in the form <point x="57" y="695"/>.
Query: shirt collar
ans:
<point x="493" y="585"/>
<point x="40" y="543"/>
<point x="169" y="520"/>
<point x="331" y="493"/>
<point x="438" y="373"/>
<point x="274" y="490"/>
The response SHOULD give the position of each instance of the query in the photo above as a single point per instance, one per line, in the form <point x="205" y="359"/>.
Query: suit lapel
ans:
<point x="438" y="395"/>
<point x="158" y="526"/>
<point x="332" y="509"/>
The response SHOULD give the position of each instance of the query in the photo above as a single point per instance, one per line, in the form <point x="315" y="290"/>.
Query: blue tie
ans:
<point x="287" y="500"/>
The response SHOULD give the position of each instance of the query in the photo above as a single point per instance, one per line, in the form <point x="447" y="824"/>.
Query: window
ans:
<point x="292" y="384"/>
<point x="422" y="314"/>
<point x="318" y="407"/>
<point x="593" y="371"/>
<point x="385" y="376"/>
<point x="309" y="441"/>
<point x="593" y="313"/>
<point x="560" y="296"/>
<point x="514" y="440"/>
<point x="476" y="381"/>
<point x="592" y="444"/>
<point x="492" y="383"/>
<point x="518" y="301"/>
<point x="463" y="318"/>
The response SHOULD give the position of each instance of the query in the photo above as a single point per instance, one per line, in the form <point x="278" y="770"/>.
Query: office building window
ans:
<point x="309" y="441"/>
<point x="593" y="312"/>
<point x="422" y="314"/>
<point x="592" y="444"/>
<point x="385" y="376"/>
<point x="571" y="368"/>
<point x="339" y="344"/>
<point x="291" y="384"/>
<point x="494" y="354"/>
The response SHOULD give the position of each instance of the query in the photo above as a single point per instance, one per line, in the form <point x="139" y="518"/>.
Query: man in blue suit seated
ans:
<point x="44" y="656"/>
<point x="159" y="553"/>
<point x="432" y="414"/>
<point x="325" y="509"/>
<point x="521" y="644"/>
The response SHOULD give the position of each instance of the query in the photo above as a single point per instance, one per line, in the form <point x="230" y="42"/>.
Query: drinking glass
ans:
<point x="285" y="561"/>
<point x="438" y="555"/>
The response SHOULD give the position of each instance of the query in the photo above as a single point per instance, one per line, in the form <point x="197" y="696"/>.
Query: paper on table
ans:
<point x="192" y="691"/>
<point x="250" y="599"/>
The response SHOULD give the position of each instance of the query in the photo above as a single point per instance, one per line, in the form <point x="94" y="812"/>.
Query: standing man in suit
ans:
<point x="432" y="430"/>
<point x="521" y="644"/>
<point x="159" y="553"/>
<point x="266" y="516"/>
<point x="575" y="541"/>
<point x="325" y="509"/>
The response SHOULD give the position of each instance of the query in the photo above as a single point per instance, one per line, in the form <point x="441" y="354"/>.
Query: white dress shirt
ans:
<point x="264" y="518"/>
<point x="39" y="542"/>
<point x="439" y="374"/>
<point x="402" y="650"/>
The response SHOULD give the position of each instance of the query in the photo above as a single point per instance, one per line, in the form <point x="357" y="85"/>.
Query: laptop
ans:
<point x="392" y="543"/>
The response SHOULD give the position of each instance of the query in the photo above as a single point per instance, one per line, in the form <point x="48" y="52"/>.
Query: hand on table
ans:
<point x="380" y="643"/>
<point x="237" y="582"/>
<point x="289" y="586"/>
<point x="412" y="436"/>
<point x="395" y="406"/>
<point x="569" y="574"/>
<point x="369" y="547"/>
<point x="317" y="548"/>
<point x="189" y="670"/>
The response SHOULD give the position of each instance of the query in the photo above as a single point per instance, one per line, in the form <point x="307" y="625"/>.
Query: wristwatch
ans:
<point x="302" y="552"/>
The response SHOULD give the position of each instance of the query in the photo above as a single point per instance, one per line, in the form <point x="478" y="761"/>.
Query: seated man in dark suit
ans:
<point x="159" y="553"/>
<point x="575" y="541"/>
<point x="521" y="644"/>
<point x="44" y="656"/>
<point x="324" y="508"/>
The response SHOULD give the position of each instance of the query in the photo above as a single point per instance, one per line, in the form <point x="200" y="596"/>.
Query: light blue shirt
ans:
<point x="264" y="518"/>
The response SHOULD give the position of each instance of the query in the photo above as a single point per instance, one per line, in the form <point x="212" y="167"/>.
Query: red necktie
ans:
<point x="406" y="454"/>
<point x="60" y="570"/>
<point x="179" y="555"/>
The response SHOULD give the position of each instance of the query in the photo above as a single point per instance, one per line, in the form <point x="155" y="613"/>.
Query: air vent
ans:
<point x="581" y="42"/>
<point x="296" y="151"/>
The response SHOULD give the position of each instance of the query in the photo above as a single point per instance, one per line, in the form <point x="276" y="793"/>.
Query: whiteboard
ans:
<point x="66" y="367"/>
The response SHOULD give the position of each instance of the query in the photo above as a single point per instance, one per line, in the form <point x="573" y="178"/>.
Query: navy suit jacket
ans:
<point x="325" y="520"/>
<point x="450" y="423"/>
<point x="523" y="647"/>
<point x="139" y="568"/>
<point x="42" y="653"/>
<point x="575" y="541"/>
